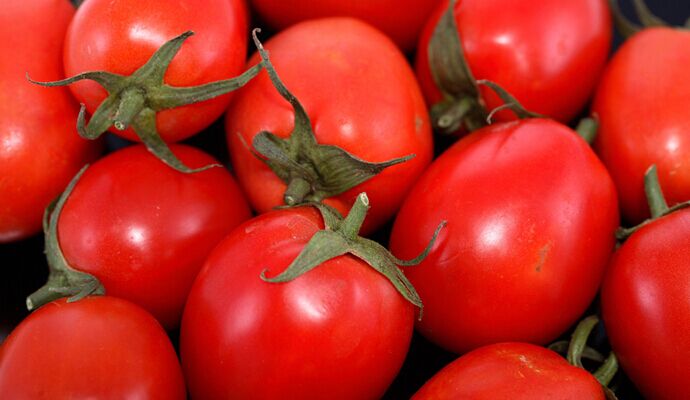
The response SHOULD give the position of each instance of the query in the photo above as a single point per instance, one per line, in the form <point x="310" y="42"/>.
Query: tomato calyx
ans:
<point x="312" y="171"/>
<point x="509" y="103"/>
<point x="340" y="237"/>
<point x="135" y="100"/>
<point x="588" y="128"/>
<point x="63" y="280"/>
<point x="628" y="28"/>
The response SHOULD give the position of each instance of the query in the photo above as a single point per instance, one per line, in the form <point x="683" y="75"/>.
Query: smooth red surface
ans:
<point x="531" y="218"/>
<point x="642" y="104"/>
<point x="95" y="348"/>
<point x="40" y="150"/>
<point x="119" y="36"/>
<point x="360" y="95"/>
<point x="646" y="307"/>
<point x="401" y="20"/>
<point x="549" y="55"/>
<point x="340" y="331"/>
<point x="515" y="371"/>
<point x="144" y="229"/>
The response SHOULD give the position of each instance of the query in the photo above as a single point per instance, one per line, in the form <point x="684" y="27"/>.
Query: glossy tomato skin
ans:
<point x="401" y="20"/>
<point x="144" y="229"/>
<point x="531" y="219"/>
<point x="40" y="150"/>
<point x="646" y="309"/>
<point x="548" y="55"/>
<point x="98" y="347"/>
<point x="120" y="36"/>
<point x="516" y="371"/>
<point x="644" y="119"/>
<point x="360" y="95"/>
<point x="340" y="331"/>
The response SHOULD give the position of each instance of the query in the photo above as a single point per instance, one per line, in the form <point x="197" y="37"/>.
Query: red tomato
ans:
<point x="531" y="219"/>
<point x="95" y="348"/>
<point x="120" y="36"/>
<point x="144" y="229"/>
<point x="339" y="331"/>
<point x="372" y="108"/>
<point x="511" y="371"/>
<point x="548" y="55"/>
<point x="646" y="308"/>
<point x="402" y="20"/>
<point x="644" y="119"/>
<point x="39" y="148"/>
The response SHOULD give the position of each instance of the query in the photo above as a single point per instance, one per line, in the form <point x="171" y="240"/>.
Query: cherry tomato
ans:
<point x="95" y="348"/>
<point x="372" y="108"/>
<point x="531" y="219"/>
<point x="642" y="107"/>
<point x="339" y="331"/>
<point x="144" y="229"/>
<point x="548" y="55"/>
<point x="120" y="36"/>
<point x="39" y="148"/>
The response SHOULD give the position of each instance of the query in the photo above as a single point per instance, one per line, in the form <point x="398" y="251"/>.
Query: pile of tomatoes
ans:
<point x="386" y="199"/>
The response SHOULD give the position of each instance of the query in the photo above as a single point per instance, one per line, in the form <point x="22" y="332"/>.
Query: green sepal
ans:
<point x="63" y="280"/>
<point x="311" y="170"/>
<point x="578" y="343"/>
<point x="587" y="129"/>
<point x="509" y="102"/>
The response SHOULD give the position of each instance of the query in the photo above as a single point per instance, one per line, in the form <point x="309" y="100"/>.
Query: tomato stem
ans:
<point x="655" y="196"/>
<point x="587" y="129"/>
<point x="605" y="373"/>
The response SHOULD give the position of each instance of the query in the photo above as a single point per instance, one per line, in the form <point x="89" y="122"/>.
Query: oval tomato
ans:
<point x="144" y="229"/>
<point x="531" y="218"/>
<point x="361" y="96"/>
<point x="217" y="51"/>
<point x="340" y="331"/>
<point x="98" y="347"/>
<point x="39" y="150"/>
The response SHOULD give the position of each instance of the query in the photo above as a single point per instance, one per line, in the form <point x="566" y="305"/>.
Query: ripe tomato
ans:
<point x="372" y="109"/>
<point x="339" y="331"/>
<point x="531" y="218"/>
<point x="644" y="119"/>
<point x="144" y="229"/>
<point x="511" y="371"/>
<point x="402" y="20"/>
<point x="217" y="51"/>
<point x="39" y="150"/>
<point x="548" y="55"/>
<point x="95" y="348"/>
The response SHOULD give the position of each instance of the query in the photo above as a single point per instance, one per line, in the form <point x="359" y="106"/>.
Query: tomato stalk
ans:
<point x="628" y="28"/>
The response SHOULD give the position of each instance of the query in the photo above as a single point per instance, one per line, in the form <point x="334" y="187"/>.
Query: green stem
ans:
<point x="132" y="101"/>
<point x="605" y="373"/>
<point x="355" y="218"/>
<point x="578" y="342"/>
<point x="587" y="129"/>
<point x="297" y="190"/>
<point x="655" y="196"/>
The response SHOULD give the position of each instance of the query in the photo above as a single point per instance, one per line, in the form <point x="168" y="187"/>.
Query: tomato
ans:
<point x="531" y="219"/>
<point x="511" y="371"/>
<point x="339" y="331"/>
<point x="548" y="55"/>
<point x="402" y="21"/>
<point x="372" y="108"/>
<point x="144" y="230"/>
<point x="39" y="150"/>
<point x="98" y="347"/>
<point x="120" y="36"/>
<point x="644" y="118"/>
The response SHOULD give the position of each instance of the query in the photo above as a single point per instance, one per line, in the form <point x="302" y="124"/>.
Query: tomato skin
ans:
<point x="511" y="371"/>
<point x="645" y="306"/>
<point x="372" y="109"/>
<point x="98" y="347"/>
<point x="144" y="229"/>
<point x="643" y="116"/>
<point x="340" y="331"/>
<point x="120" y="36"/>
<point x="39" y="148"/>
<point x="531" y="219"/>
<point x="549" y="56"/>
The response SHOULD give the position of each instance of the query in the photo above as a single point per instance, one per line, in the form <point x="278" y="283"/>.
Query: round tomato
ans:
<point x="120" y="36"/>
<point x="361" y="96"/>
<point x="531" y="217"/>
<point x="39" y="150"/>
<point x="95" y="348"/>
<point x="643" y="113"/>
<point x="144" y="229"/>
<point x="339" y="331"/>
